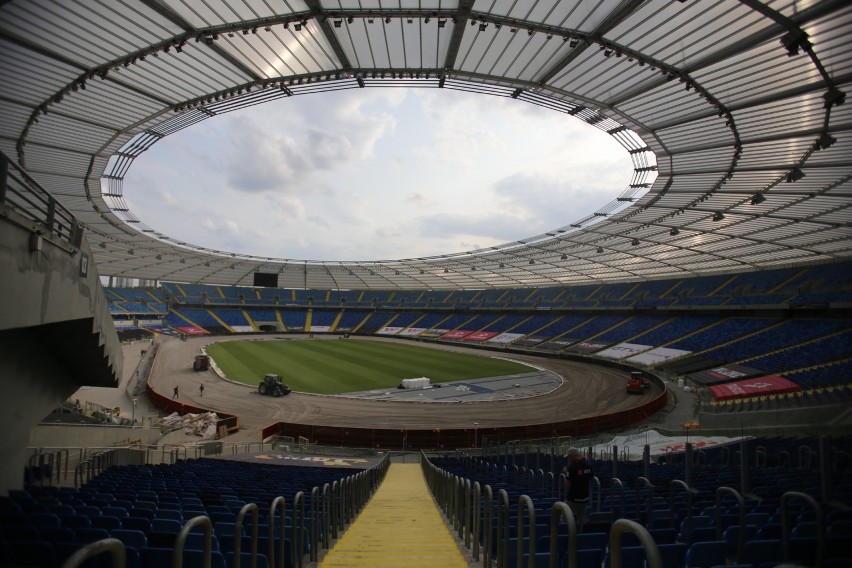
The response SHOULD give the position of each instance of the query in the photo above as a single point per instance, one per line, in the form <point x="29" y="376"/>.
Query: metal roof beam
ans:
<point x="175" y="18"/>
<point x="614" y="18"/>
<point x="462" y="15"/>
<point x="318" y="12"/>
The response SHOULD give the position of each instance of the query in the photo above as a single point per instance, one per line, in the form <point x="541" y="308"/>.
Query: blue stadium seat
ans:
<point x="706" y="554"/>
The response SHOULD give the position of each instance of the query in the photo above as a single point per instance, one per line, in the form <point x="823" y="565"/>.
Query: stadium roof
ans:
<point x="732" y="112"/>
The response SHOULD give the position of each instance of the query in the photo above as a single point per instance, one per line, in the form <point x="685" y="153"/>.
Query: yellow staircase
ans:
<point x="400" y="526"/>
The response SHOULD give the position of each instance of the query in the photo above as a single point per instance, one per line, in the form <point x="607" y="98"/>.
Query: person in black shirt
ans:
<point x="578" y="478"/>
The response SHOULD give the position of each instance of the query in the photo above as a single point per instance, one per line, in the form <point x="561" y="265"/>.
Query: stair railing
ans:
<point x="524" y="501"/>
<point x="562" y="510"/>
<point x="620" y="526"/>
<point x="238" y="535"/>
<point x="180" y="541"/>
<point x="280" y="504"/>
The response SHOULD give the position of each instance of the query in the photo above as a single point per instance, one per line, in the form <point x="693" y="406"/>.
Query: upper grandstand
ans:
<point x="737" y="132"/>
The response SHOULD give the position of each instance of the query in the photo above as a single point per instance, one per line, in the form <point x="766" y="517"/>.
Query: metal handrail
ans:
<point x="280" y="503"/>
<point x="488" y="543"/>
<point x="598" y="493"/>
<point x="558" y="510"/>
<point x="616" y="481"/>
<point x="338" y="498"/>
<point x="315" y="510"/>
<point x="525" y="500"/>
<point x="689" y="493"/>
<point x="477" y="519"/>
<point x="29" y="198"/>
<point x="785" y="525"/>
<point x="458" y="509"/>
<point x="502" y="527"/>
<point x="326" y="516"/>
<point x="742" y="534"/>
<point x="468" y="511"/>
<point x="620" y="526"/>
<point x="112" y="545"/>
<point x="646" y="483"/>
<point x="238" y="533"/>
<point x="299" y="527"/>
<point x="180" y="541"/>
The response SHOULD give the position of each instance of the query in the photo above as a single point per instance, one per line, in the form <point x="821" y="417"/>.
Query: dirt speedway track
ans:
<point x="587" y="390"/>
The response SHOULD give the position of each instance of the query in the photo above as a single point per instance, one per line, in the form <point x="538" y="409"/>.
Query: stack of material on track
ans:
<point x="401" y="526"/>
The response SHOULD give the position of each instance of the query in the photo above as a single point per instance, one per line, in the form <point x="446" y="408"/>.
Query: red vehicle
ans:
<point x="636" y="384"/>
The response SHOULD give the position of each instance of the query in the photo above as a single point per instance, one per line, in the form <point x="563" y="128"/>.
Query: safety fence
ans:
<point x="23" y="192"/>
<point x="483" y="519"/>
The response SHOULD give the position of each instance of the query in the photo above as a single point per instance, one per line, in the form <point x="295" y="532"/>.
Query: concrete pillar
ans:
<point x="33" y="384"/>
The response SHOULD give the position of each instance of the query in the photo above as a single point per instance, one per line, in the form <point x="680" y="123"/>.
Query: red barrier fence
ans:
<point x="450" y="439"/>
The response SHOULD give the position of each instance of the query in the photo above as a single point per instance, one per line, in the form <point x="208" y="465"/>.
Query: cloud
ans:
<point x="417" y="197"/>
<point x="282" y="149"/>
<point x="375" y="174"/>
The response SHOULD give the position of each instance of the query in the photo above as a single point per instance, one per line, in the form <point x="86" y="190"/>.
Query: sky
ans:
<point x="375" y="174"/>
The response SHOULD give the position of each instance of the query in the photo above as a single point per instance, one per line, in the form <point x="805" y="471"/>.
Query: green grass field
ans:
<point x="350" y="365"/>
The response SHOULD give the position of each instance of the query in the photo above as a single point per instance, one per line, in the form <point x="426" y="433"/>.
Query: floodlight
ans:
<point x="350" y="20"/>
<point x="674" y="232"/>
<point x="600" y="250"/>
<point x="718" y="216"/>
<point x="757" y="198"/>
<point x="795" y="175"/>
<point x="634" y="242"/>
<point x="338" y="23"/>
<point x="834" y="96"/>
<point x="825" y="141"/>
<point x="792" y="41"/>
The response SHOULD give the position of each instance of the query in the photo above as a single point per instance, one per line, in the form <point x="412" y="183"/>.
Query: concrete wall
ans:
<point x="40" y="292"/>
<point x="93" y="436"/>
<point x="787" y="419"/>
<point x="32" y="385"/>
<point x="45" y="286"/>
